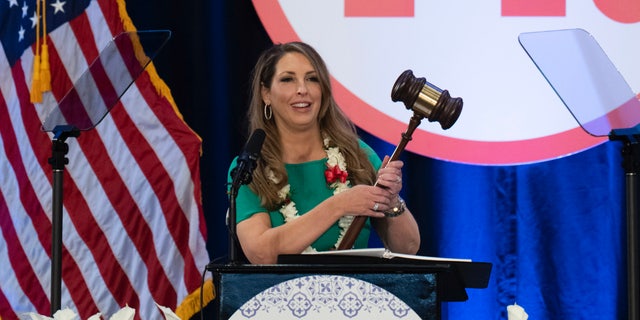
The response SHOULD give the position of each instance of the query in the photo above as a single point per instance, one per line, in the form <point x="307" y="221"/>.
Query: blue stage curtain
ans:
<point x="554" y="231"/>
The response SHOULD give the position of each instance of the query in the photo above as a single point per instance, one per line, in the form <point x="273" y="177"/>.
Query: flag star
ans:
<point x="58" y="6"/>
<point x="34" y="20"/>
<point x="21" y="34"/>
<point x="25" y="7"/>
<point x="13" y="3"/>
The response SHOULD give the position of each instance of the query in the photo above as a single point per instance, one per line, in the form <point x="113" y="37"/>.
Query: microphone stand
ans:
<point x="231" y="224"/>
<point x="240" y="176"/>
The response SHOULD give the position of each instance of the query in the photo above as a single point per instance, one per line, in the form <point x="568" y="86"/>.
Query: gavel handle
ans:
<point x="358" y="222"/>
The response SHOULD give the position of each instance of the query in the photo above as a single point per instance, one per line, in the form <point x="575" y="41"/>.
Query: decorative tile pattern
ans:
<point x="322" y="296"/>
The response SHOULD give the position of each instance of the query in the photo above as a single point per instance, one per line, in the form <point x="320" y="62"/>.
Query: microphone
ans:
<point x="242" y="173"/>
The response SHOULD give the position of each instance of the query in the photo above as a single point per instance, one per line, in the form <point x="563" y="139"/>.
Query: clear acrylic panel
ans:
<point x="106" y="79"/>
<point x="584" y="78"/>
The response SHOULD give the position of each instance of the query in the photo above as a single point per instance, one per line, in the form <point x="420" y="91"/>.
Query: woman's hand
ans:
<point x="362" y="200"/>
<point x="390" y="178"/>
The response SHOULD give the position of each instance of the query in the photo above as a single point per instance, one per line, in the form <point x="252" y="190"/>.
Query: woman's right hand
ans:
<point x="363" y="200"/>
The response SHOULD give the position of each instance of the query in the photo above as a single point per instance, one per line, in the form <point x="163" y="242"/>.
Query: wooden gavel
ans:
<point x="426" y="101"/>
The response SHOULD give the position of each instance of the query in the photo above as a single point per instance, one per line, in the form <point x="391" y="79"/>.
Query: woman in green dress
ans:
<point x="314" y="173"/>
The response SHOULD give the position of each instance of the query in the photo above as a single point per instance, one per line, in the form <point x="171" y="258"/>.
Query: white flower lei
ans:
<point x="289" y="210"/>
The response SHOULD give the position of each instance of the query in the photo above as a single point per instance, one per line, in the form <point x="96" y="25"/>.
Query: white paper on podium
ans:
<point x="385" y="253"/>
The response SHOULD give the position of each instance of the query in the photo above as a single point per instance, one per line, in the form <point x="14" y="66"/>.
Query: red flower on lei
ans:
<point x="333" y="174"/>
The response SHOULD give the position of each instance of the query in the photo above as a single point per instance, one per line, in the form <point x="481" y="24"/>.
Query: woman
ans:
<point x="314" y="173"/>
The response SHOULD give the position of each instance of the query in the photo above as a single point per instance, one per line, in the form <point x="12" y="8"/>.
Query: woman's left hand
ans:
<point x="390" y="177"/>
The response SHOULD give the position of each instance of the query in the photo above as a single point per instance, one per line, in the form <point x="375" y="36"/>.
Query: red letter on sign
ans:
<point x="537" y="8"/>
<point x="378" y="8"/>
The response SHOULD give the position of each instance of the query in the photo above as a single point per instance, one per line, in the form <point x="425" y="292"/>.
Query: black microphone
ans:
<point x="242" y="173"/>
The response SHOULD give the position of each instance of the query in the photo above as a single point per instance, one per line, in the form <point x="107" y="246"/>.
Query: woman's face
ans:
<point x="295" y="94"/>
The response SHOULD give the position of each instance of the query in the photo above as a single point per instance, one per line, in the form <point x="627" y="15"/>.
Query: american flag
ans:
<point x="133" y="225"/>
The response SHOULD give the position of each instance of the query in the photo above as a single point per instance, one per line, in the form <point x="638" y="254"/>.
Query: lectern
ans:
<point x="344" y="287"/>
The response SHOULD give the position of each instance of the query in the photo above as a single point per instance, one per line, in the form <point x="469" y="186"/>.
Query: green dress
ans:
<point x="308" y="189"/>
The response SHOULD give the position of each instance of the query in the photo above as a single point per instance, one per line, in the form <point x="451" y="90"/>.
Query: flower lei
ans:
<point x="336" y="176"/>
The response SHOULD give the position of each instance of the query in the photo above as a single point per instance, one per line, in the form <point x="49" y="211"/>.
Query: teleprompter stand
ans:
<point x="58" y="160"/>
<point x="604" y="105"/>
<point x="631" y="164"/>
<point x="84" y="105"/>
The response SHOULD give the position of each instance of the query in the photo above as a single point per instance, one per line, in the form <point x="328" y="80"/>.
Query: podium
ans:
<point x="349" y="287"/>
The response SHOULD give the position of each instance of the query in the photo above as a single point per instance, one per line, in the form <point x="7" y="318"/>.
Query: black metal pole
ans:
<point x="633" y="282"/>
<point x="56" y="242"/>
<point x="231" y="224"/>
<point x="631" y="164"/>
<point x="58" y="160"/>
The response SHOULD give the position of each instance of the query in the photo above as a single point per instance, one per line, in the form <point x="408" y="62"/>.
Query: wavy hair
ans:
<point x="334" y="125"/>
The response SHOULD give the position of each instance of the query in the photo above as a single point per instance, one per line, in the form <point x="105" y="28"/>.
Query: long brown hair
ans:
<point x="334" y="125"/>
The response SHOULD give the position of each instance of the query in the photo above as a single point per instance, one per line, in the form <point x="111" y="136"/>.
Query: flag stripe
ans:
<point x="18" y="258"/>
<point x="133" y="222"/>
<point x="170" y="201"/>
<point x="163" y="160"/>
<point x="85" y="224"/>
<point x="152" y="170"/>
<point x="112" y="16"/>
<point x="13" y="178"/>
<point x="8" y="281"/>
<point x="81" y="28"/>
<point x="78" y="291"/>
<point x="82" y="117"/>
<point x="11" y="129"/>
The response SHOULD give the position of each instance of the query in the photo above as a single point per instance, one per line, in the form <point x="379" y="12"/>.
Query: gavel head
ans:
<point x="426" y="100"/>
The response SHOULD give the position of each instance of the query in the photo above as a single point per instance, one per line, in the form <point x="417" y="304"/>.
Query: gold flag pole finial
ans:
<point x="45" y="69"/>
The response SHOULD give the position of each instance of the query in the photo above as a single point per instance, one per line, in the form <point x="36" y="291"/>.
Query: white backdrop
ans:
<point x="470" y="48"/>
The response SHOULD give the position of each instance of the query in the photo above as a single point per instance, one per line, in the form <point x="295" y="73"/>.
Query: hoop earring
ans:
<point x="268" y="112"/>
